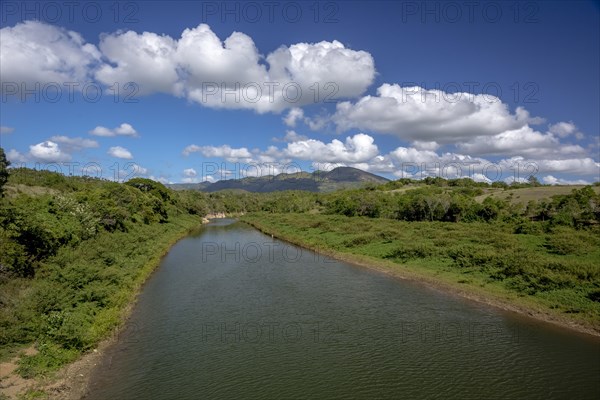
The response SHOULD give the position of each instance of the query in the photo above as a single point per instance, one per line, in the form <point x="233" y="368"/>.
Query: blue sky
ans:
<point x="490" y="90"/>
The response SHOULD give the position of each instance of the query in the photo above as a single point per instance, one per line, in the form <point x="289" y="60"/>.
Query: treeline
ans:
<point x="440" y="200"/>
<point x="579" y="209"/>
<point x="49" y="211"/>
<point x="430" y="199"/>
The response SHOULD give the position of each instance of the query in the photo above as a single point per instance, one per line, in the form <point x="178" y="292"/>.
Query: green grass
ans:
<point x="524" y="195"/>
<point x="553" y="273"/>
<point x="79" y="296"/>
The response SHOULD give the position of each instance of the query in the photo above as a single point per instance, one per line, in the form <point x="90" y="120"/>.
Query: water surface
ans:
<point x="232" y="313"/>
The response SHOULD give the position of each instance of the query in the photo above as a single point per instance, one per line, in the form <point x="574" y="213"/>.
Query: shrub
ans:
<point x="525" y="227"/>
<point x="412" y="251"/>
<point x="49" y="358"/>
<point x="564" y="243"/>
<point x="469" y="256"/>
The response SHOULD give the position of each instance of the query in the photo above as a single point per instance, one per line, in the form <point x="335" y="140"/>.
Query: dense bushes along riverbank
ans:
<point x="75" y="249"/>
<point x="554" y="274"/>
<point x="74" y="252"/>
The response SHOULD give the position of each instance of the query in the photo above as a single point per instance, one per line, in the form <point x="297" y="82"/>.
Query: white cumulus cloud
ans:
<point x="48" y="151"/>
<point x="418" y="114"/>
<point x="120" y="152"/>
<point x="124" y="129"/>
<point x="551" y="180"/>
<point x="147" y="59"/>
<point x="523" y="141"/>
<point x="229" y="153"/>
<point x="355" y="149"/>
<point x="33" y="51"/>
<point x="232" y="73"/>
<point x="295" y="114"/>
<point x="74" y="144"/>
<point x="15" y="157"/>
<point x="190" y="172"/>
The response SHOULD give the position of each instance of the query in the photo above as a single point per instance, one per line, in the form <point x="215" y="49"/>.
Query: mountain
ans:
<point x="189" y="186"/>
<point x="319" y="181"/>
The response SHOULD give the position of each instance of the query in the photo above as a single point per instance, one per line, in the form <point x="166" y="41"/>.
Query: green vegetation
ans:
<point x="74" y="255"/>
<point x="554" y="271"/>
<point x="543" y="254"/>
<point x="4" y="164"/>
<point x="75" y="250"/>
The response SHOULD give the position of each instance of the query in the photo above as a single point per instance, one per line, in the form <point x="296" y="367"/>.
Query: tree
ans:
<point x="4" y="163"/>
<point x="533" y="181"/>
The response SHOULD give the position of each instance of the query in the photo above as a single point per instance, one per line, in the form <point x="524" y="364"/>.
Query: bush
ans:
<point x="50" y="358"/>
<point x="594" y="296"/>
<point x="70" y="328"/>
<point x="525" y="227"/>
<point x="565" y="242"/>
<point x="412" y="251"/>
<point x="359" y="240"/>
<point x="469" y="256"/>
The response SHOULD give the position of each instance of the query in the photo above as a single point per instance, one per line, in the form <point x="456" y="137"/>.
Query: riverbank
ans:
<point x="370" y="242"/>
<point x="71" y="380"/>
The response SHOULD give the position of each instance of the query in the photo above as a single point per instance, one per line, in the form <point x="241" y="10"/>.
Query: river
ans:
<point x="232" y="313"/>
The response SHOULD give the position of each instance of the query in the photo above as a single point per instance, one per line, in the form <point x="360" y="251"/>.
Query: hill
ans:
<point x="524" y="195"/>
<point x="319" y="181"/>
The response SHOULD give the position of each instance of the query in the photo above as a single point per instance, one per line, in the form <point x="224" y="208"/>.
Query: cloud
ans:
<point x="324" y="62"/>
<point x="120" y="152"/>
<point x="576" y="166"/>
<point x="56" y="149"/>
<point x="418" y="114"/>
<point x="229" y="73"/>
<point x="420" y="145"/>
<point x="564" y="129"/>
<point x="315" y="123"/>
<point x="232" y="73"/>
<point x="521" y="142"/>
<point x="357" y="148"/>
<point x="5" y="130"/>
<point x="48" y="151"/>
<point x="190" y="172"/>
<point x="15" y="157"/>
<point x="33" y="51"/>
<point x="147" y="59"/>
<point x="290" y="136"/>
<point x="360" y="151"/>
<point x="160" y="179"/>
<point x="74" y="144"/>
<point x="412" y="155"/>
<point x="124" y="129"/>
<point x="551" y="180"/>
<point x="139" y="170"/>
<point x="230" y="154"/>
<point x="295" y="114"/>
<point x="206" y="58"/>
<point x="379" y="164"/>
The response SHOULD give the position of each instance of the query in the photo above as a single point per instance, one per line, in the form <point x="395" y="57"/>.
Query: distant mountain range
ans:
<point x="319" y="181"/>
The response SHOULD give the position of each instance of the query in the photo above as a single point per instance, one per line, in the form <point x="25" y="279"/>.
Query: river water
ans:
<point x="233" y="314"/>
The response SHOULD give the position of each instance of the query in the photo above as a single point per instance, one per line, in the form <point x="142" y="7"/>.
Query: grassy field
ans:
<point x="524" y="195"/>
<point x="15" y="190"/>
<point x="552" y="275"/>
